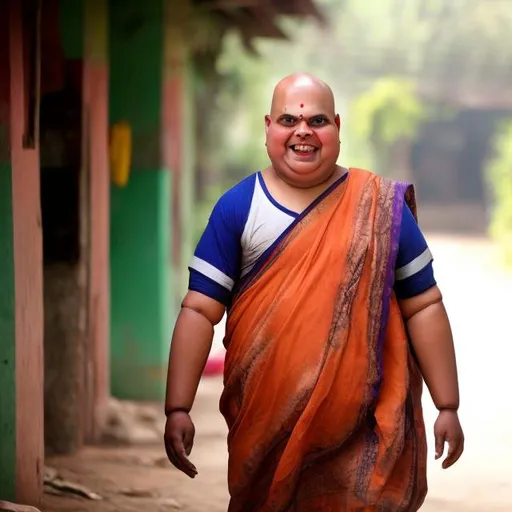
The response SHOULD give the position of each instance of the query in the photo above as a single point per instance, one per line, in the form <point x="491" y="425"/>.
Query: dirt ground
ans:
<point x="139" y="478"/>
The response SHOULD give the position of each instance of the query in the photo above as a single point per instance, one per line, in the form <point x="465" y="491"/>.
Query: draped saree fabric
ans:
<point x="322" y="393"/>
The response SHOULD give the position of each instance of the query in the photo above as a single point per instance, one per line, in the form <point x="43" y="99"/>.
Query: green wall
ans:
<point x="141" y="275"/>
<point x="71" y="26"/>
<point x="7" y="341"/>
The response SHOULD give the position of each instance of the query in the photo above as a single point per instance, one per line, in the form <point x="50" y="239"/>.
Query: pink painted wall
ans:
<point x="28" y="279"/>
<point x="95" y="98"/>
<point x="172" y="144"/>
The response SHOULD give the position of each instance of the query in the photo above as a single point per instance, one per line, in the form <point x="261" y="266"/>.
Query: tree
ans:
<point x="384" y="115"/>
<point x="384" y="60"/>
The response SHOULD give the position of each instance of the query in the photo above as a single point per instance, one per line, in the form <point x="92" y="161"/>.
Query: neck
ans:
<point x="317" y="186"/>
<point x="294" y="197"/>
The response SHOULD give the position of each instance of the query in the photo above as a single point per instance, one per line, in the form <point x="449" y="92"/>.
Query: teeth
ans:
<point x="304" y="148"/>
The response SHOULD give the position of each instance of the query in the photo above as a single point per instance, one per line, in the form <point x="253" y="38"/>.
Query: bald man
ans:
<point x="334" y="320"/>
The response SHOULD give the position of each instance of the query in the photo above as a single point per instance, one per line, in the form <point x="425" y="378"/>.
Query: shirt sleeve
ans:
<point x="215" y="266"/>
<point x="414" y="273"/>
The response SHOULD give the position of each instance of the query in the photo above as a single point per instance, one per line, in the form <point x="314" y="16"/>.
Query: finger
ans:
<point x="171" y="455"/>
<point x="184" y="464"/>
<point x="454" y="452"/>
<point x="440" y="438"/>
<point x="188" y="441"/>
<point x="179" y="463"/>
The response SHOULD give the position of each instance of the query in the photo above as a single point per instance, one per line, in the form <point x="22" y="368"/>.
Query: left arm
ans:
<point x="429" y="330"/>
<point x="431" y="337"/>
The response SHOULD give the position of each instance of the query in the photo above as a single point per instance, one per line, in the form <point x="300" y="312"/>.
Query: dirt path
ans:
<point x="144" y="472"/>
<point x="478" y="295"/>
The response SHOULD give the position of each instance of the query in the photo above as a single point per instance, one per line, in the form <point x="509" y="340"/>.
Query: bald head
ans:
<point x="302" y="131"/>
<point x="300" y="90"/>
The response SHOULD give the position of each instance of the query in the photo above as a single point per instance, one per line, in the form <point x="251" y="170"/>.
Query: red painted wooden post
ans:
<point x="27" y="260"/>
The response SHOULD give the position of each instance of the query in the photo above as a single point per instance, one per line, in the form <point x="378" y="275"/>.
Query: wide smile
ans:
<point x="303" y="149"/>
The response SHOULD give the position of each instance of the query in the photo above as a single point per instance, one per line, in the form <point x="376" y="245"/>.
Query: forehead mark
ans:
<point x="302" y="105"/>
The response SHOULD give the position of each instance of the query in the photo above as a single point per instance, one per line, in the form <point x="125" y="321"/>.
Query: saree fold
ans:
<point x="322" y="395"/>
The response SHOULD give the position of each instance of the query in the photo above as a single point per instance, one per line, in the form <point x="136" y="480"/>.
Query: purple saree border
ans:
<point x="399" y="198"/>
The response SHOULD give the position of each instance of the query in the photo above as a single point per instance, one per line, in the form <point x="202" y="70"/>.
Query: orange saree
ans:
<point x="322" y="395"/>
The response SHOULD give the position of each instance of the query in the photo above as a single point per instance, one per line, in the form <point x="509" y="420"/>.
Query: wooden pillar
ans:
<point x="178" y="131"/>
<point x="21" y="304"/>
<point x="95" y="158"/>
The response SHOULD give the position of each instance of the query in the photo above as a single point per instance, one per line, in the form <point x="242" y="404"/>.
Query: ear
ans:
<point x="337" y="121"/>
<point x="268" y="122"/>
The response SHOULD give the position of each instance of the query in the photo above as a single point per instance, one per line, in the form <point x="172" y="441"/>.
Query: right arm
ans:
<point x="213" y="272"/>
<point x="190" y="346"/>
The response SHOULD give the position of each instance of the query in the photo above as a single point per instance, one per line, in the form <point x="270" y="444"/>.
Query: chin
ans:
<point x="302" y="177"/>
<point x="305" y="167"/>
<point x="309" y="169"/>
<point x="312" y="170"/>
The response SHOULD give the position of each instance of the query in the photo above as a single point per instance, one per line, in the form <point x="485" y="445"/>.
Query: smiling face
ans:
<point x="302" y="131"/>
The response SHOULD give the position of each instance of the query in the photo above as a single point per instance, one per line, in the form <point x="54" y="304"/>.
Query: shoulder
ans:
<point x="232" y="208"/>
<point x="367" y="175"/>
<point x="403" y="191"/>
<point x="238" y="196"/>
<point x="369" y="180"/>
<point x="384" y="186"/>
<point x="243" y="188"/>
<point x="360" y="175"/>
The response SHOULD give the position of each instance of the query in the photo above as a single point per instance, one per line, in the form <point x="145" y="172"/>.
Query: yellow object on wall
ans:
<point x="120" y="153"/>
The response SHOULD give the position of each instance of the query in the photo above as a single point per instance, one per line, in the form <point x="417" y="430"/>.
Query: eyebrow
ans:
<point x="296" y="117"/>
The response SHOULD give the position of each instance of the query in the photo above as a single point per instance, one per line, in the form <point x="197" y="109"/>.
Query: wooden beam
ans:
<point x="27" y="269"/>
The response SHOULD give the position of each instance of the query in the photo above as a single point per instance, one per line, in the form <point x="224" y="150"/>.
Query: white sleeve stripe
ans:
<point x="208" y="270"/>
<point x="417" y="264"/>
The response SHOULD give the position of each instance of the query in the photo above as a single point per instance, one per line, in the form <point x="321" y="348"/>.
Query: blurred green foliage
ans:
<point x="388" y="111"/>
<point x="384" y="114"/>
<point x="499" y="176"/>
<point x="380" y="58"/>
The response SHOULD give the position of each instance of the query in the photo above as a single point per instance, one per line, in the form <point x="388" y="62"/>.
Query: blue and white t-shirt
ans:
<point x="247" y="220"/>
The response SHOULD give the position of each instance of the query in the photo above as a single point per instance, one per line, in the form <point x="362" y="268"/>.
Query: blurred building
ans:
<point x="96" y="168"/>
<point x="447" y="162"/>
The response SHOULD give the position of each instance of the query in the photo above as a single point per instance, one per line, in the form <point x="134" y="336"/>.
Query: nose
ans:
<point x="303" y="129"/>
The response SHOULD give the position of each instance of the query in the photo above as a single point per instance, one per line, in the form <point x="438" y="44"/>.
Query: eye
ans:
<point x="318" y="121"/>
<point x="288" y="120"/>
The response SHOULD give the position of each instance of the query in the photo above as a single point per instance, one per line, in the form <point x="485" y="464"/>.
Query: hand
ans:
<point x="179" y="439"/>
<point x="447" y="429"/>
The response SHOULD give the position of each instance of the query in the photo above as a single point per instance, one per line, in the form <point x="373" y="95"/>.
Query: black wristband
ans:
<point x="171" y="410"/>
